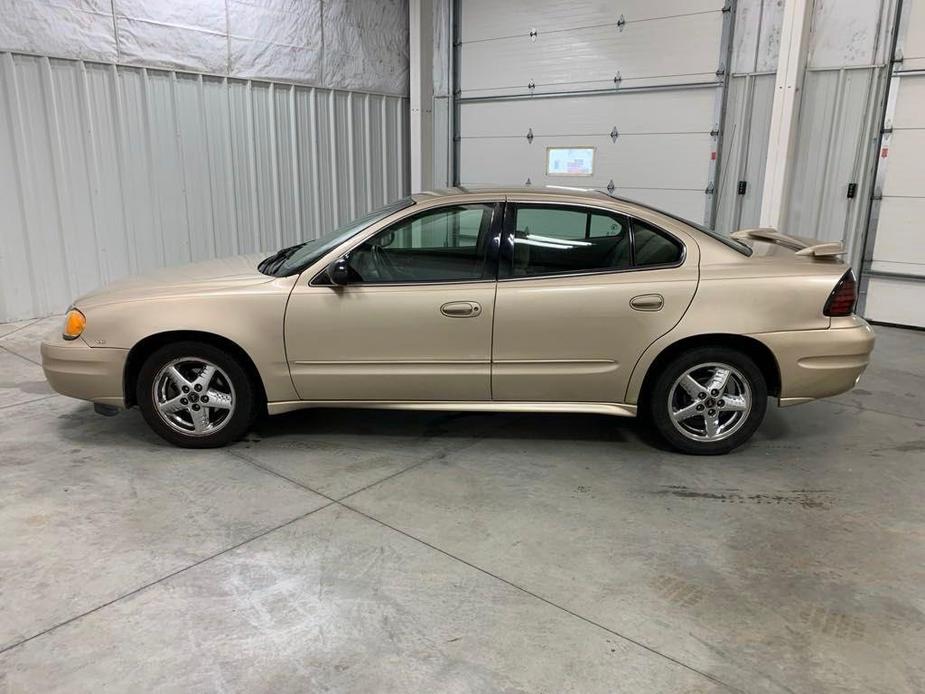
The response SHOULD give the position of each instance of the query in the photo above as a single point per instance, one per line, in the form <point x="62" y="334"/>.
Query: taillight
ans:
<point x="843" y="298"/>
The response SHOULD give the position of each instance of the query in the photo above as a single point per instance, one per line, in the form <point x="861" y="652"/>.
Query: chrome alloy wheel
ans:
<point x="193" y="396"/>
<point x="709" y="402"/>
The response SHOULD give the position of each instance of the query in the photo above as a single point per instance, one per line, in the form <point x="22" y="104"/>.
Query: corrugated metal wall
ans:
<point x="109" y="170"/>
<point x="837" y="132"/>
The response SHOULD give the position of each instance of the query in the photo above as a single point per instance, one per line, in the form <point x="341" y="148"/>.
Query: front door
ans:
<point x="414" y="321"/>
<point x="582" y="293"/>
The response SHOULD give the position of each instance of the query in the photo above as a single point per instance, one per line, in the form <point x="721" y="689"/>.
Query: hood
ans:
<point x="193" y="278"/>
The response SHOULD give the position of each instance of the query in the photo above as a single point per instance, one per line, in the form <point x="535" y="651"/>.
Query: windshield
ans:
<point x="294" y="259"/>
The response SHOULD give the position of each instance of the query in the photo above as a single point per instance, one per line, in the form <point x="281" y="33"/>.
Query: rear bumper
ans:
<point x="75" y="369"/>
<point x="819" y="363"/>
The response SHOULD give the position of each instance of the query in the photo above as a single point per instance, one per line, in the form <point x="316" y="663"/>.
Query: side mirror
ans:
<point x="338" y="272"/>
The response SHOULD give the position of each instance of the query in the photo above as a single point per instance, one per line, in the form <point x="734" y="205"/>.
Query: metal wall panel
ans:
<point x="756" y="41"/>
<point x="107" y="171"/>
<point x="836" y="139"/>
<point x="745" y="141"/>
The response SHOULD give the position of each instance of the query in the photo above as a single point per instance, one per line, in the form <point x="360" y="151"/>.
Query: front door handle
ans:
<point x="461" y="309"/>
<point x="647" y="302"/>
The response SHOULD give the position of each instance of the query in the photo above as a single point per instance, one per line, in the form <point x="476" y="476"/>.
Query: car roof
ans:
<point x="478" y="189"/>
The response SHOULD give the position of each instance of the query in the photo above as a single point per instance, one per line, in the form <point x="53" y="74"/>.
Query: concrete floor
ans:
<point x="363" y="551"/>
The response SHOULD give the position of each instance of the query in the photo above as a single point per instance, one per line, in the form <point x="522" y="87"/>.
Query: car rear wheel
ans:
<point x="195" y="395"/>
<point x="708" y="401"/>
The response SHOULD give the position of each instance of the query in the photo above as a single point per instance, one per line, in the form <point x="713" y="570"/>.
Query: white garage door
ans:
<point x="896" y="277"/>
<point x="636" y="83"/>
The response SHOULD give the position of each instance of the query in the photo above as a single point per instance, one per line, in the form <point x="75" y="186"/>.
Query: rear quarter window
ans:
<point x="654" y="247"/>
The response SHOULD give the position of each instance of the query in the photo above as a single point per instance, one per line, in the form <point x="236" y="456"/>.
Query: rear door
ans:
<point x="582" y="292"/>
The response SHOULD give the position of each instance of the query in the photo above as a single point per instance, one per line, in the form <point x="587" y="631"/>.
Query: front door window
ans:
<point x="447" y="244"/>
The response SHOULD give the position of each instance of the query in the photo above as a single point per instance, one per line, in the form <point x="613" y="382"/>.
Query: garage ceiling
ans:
<point x="637" y="82"/>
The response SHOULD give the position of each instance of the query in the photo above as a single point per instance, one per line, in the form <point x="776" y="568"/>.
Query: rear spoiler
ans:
<point x="794" y="243"/>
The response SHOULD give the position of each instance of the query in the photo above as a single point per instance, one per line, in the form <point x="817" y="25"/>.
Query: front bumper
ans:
<point x="820" y="363"/>
<point x="75" y="369"/>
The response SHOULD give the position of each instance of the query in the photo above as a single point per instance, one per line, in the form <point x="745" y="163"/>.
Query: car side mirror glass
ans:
<point x="338" y="272"/>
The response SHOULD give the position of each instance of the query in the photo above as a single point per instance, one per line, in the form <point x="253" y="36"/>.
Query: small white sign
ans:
<point x="569" y="161"/>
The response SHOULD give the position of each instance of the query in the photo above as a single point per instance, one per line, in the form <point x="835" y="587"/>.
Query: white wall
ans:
<point x="344" y="44"/>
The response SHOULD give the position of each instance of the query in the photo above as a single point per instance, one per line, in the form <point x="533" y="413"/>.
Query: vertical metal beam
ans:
<point x="723" y="73"/>
<point x="791" y="64"/>
<point x="455" y="91"/>
<point x="421" y="23"/>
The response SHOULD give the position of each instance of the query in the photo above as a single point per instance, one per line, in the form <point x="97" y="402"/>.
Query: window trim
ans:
<point x="490" y="258"/>
<point x="506" y="255"/>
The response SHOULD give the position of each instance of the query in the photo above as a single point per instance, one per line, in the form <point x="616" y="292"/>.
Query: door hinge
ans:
<point x="617" y="79"/>
<point x="533" y="34"/>
<point x="530" y="136"/>
<point x="621" y="22"/>
<point x="742" y="187"/>
<point x="709" y="189"/>
<point x="614" y="134"/>
<point x="611" y="187"/>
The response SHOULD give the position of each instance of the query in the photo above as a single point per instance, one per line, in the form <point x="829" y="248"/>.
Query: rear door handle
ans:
<point x="647" y="302"/>
<point x="461" y="309"/>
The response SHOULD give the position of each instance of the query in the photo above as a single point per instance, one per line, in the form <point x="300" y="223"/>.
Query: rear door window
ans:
<point x="549" y="240"/>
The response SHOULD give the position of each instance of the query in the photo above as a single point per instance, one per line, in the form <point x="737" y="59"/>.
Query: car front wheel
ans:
<point x="195" y="395"/>
<point x="708" y="401"/>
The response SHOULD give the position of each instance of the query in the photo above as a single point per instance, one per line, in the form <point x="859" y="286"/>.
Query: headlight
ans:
<point x="74" y="323"/>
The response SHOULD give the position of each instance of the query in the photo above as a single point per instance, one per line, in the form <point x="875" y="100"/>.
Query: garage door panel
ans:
<point x="905" y="242"/>
<point x="675" y="161"/>
<point x="681" y="49"/>
<point x="910" y="104"/>
<point x="904" y="172"/>
<point x="898" y="237"/>
<point x="687" y="111"/>
<point x="913" y="43"/>
<point x="687" y="204"/>
<point x="896" y="301"/>
<point x="489" y="19"/>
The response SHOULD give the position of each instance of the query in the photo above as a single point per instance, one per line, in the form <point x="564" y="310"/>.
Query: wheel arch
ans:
<point x="760" y="353"/>
<point x="148" y="345"/>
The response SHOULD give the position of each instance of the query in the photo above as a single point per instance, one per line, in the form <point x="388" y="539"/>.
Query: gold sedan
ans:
<point x="528" y="300"/>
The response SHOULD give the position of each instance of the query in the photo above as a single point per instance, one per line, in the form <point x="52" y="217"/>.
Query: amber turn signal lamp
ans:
<point x="74" y="323"/>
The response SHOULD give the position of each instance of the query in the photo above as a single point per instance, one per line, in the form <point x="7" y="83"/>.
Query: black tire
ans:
<point x="233" y="426"/>
<point x="659" y="404"/>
